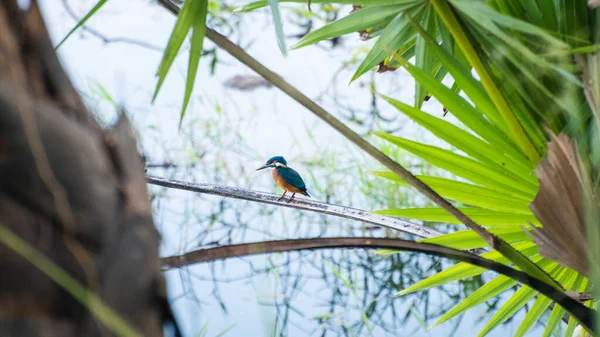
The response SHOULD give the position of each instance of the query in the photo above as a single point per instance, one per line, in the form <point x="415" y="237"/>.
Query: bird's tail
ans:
<point x="306" y="193"/>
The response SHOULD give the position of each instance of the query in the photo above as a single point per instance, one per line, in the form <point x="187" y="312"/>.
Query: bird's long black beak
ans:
<point x="262" y="167"/>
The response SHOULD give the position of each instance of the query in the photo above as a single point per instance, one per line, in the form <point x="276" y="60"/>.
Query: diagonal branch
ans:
<point x="578" y="310"/>
<point x="303" y="204"/>
<point x="495" y="242"/>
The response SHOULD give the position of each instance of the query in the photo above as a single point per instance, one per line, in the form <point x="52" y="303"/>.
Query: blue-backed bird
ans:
<point x="285" y="177"/>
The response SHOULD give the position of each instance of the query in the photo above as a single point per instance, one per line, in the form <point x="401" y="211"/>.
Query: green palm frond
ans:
<point x="526" y="81"/>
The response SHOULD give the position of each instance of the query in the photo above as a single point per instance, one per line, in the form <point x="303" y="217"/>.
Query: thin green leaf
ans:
<point x="397" y="33"/>
<point x="369" y="17"/>
<point x="82" y="21"/>
<point x="558" y="312"/>
<point x="185" y="20"/>
<point x="274" y="4"/>
<point x="468" y="239"/>
<point x="572" y="321"/>
<point x="470" y="194"/>
<point x="486" y="16"/>
<point x="540" y="306"/>
<point x="489" y="290"/>
<point x="464" y="270"/>
<point x="447" y="14"/>
<point x="488" y="218"/>
<point x="516" y="302"/>
<point x="464" y="167"/>
<point x="464" y="79"/>
<point x="465" y="141"/>
<point x="198" y="32"/>
<point x="88" y="299"/>
<point x="466" y="113"/>
<point x="423" y="55"/>
<point x="455" y="186"/>
<point x="534" y="13"/>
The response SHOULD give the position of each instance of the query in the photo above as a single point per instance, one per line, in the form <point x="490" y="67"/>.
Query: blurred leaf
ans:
<point x="263" y="3"/>
<point x="89" y="300"/>
<point x="198" y="32"/>
<point x="456" y="28"/>
<point x="185" y="20"/>
<point x="423" y="55"/>
<point x="82" y="21"/>
<point x="572" y="321"/>
<point x="274" y="4"/>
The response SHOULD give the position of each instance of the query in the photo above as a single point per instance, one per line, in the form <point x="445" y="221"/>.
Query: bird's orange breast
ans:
<point x="284" y="184"/>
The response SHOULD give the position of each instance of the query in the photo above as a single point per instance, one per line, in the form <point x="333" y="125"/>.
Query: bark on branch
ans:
<point x="303" y="204"/>
<point x="574" y="307"/>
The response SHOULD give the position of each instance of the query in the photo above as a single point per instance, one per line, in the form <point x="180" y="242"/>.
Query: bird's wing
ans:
<point x="292" y="177"/>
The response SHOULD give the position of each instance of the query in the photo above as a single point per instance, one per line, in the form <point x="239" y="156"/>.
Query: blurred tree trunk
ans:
<point x="73" y="191"/>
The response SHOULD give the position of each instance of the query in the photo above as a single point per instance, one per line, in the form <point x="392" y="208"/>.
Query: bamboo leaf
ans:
<point x="184" y="23"/>
<point x="83" y="20"/>
<point x="368" y="17"/>
<point x="198" y="32"/>
<point x="276" y="15"/>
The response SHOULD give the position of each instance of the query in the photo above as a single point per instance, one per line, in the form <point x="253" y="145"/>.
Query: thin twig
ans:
<point x="578" y="310"/>
<point x="303" y="204"/>
<point x="105" y="38"/>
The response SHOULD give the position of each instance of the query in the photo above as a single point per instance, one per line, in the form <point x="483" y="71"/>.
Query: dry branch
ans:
<point x="303" y="204"/>
<point x="574" y="307"/>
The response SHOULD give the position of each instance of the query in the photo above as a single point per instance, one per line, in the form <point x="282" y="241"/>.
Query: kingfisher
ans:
<point x="284" y="176"/>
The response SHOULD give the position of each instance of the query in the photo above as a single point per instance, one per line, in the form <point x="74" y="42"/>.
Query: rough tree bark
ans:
<point x="72" y="190"/>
